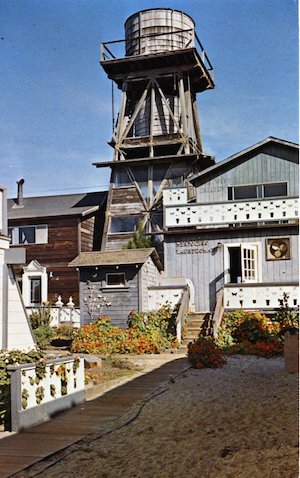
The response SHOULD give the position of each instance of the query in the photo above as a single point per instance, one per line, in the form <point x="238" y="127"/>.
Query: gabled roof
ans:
<point x="112" y="258"/>
<point x="245" y="154"/>
<point x="62" y="205"/>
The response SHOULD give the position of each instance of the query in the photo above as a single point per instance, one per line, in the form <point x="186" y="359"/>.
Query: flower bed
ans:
<point x="147" y="332"/>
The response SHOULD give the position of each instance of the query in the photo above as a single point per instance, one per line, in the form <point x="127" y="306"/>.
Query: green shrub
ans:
<point x="241" y="326"/>
<point x="43" y="336"/>
<point x="249" y="333"/>
<point x="65" y="332"/>
<point x="40" y="317"/>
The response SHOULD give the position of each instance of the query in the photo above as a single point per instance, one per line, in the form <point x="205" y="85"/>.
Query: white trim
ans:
<point x="116" y="285"/>
<point x="34" y="269"/>
<point x="242" y="245"/>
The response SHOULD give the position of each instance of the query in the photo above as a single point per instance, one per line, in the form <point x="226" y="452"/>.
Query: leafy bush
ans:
<point x="65" y="332"/>
<point x="204" y="352"/>
<point x="9" y="358"/>
<point x="147" y="333"/>
<point x="40" y="317"/>
<point x="40" y="322"/>
<point x="250" y="333"/>
<point x="43" y="336"/>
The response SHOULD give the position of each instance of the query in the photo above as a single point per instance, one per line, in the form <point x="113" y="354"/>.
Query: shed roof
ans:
<point x="122" y="257"/>
<point x="60" y="205"/>
<point x="246" y="154"/>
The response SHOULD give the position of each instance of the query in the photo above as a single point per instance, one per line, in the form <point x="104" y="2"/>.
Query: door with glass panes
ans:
<point x="241" y="263"/>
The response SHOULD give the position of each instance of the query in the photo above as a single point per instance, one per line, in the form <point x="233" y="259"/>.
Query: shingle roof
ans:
<point x="123" y="257"/>
<point x="61" y="205"/>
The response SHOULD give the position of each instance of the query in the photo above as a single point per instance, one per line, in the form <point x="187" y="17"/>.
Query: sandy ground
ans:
<point x="236" y="422"/>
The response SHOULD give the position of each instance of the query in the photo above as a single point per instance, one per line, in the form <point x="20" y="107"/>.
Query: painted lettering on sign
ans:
<point x="193" y="247"/>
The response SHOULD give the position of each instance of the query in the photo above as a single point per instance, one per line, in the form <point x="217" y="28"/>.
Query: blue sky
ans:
<point x="55" y="98"/>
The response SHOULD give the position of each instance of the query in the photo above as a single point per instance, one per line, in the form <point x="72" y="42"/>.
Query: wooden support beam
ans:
<point x="169" y="109"/>
<point x="136" y="111"/>
<point x="183" y="112"/>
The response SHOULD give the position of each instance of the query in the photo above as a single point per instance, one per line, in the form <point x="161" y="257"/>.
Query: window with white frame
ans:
<point x="116" y="280"/>
<point x="30" y="234"/>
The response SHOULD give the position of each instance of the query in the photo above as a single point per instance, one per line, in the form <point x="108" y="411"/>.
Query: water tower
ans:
<point x="156" y="137"/>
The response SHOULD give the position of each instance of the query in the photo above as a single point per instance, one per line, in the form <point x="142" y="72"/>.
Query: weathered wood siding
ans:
<point x="87" y="228"/>
<point x="116" y="242"/>
<point x="262" y="168"/>
<point x="123" y="299"/>
<point x="149" y="277"/>
<point x="206" y="269"/>
<point x="125" y="201"/>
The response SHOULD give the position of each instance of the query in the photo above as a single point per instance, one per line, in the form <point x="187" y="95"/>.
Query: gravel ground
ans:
<point x="239" y="421"/>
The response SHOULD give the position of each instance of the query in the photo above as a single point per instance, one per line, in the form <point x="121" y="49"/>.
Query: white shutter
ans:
<point x="41" y="234"/>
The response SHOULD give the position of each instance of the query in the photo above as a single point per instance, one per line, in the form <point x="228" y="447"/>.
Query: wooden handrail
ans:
<point x="218" y="313"/>
<point x="183" y="310"/>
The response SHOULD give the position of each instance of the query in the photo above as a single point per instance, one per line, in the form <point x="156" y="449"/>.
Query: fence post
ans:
<point x="71" y="305"/>
<point x="15" y="396"/>
<point x="59" y="303"/>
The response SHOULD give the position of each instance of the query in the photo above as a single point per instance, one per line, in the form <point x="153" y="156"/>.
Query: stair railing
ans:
<point x="218" y="313"/>
<point x="182" y="312"/>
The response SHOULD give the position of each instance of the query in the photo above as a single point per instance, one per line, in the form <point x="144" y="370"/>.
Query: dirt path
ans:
<point x="236" y="422"/>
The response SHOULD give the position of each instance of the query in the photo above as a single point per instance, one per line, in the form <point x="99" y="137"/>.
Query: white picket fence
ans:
<point x="38" y="392"/>
<point x="61" y="313"/>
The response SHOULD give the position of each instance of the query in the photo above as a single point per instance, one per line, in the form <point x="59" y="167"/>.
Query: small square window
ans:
<point x="115" y="280"/>
<point x="27" y="235"/>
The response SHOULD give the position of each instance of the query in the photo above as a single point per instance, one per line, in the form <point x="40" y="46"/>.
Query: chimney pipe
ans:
<point x="20" y="192"/>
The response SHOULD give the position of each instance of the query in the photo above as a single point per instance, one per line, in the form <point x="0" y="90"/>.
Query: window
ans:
<point x="276" y="189"/>
<point x="124" y="223"/>
<point x="122" y="178"/>
<point x="29" y="234"/>
<point x="255" y="191"/>
<point x="35" y="290"/>
<point x="115" y="280"/>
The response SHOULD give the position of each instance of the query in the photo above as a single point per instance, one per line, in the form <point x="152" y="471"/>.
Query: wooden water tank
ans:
<point x="140" y="25"/>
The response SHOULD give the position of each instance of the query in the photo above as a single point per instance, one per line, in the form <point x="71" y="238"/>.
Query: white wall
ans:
<point x="19" y="334"/>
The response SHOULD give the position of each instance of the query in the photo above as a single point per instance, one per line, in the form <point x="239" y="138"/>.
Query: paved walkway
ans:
<point x="28" y="453"/>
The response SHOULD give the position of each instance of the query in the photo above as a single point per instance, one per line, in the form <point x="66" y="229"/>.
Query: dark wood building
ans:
<point x="54" y="230"/>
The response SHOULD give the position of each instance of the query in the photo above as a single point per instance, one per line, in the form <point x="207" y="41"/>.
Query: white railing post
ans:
<point x="71" y="305"/>
<point x="59" y="304"/>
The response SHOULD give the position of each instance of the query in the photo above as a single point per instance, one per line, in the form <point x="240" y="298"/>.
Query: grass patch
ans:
<point x="112" y="368"/>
